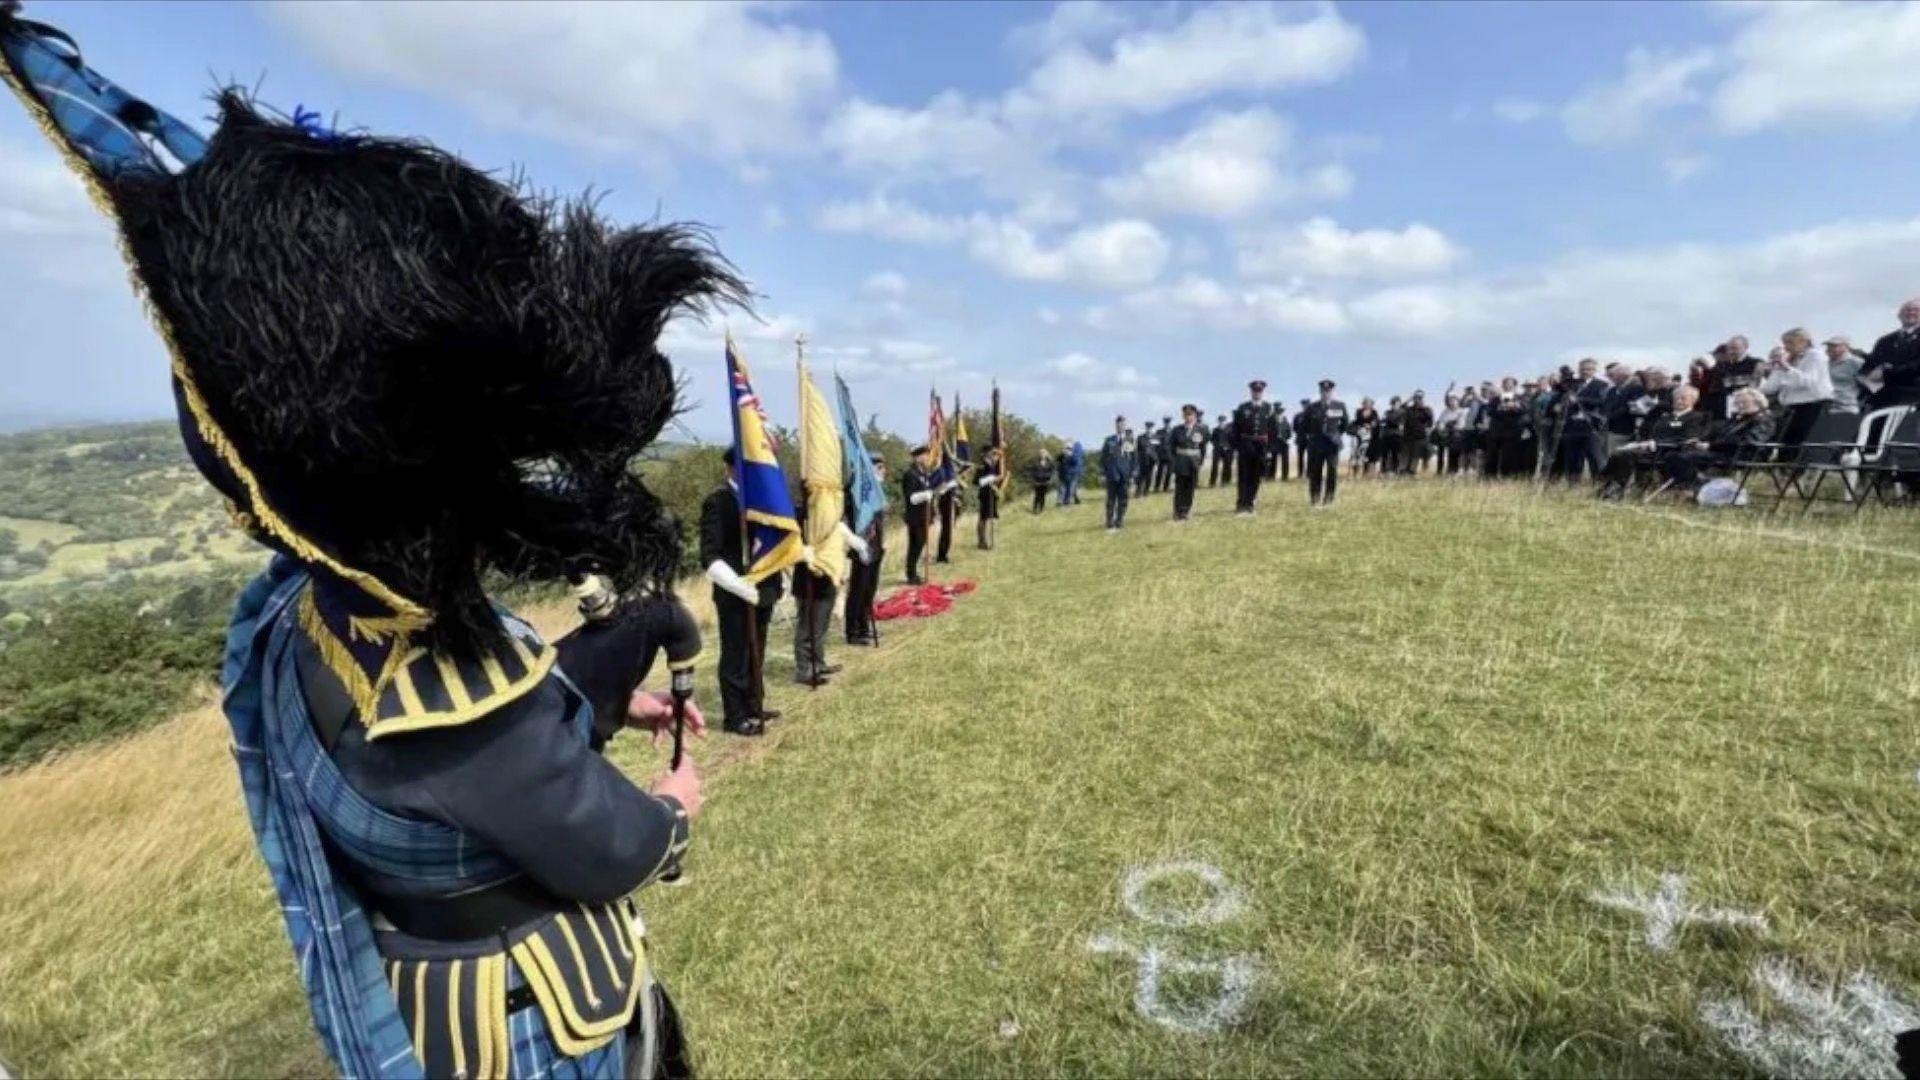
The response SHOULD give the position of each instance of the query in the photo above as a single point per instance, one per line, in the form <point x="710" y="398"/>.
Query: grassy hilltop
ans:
<point x="1413" y="734"/>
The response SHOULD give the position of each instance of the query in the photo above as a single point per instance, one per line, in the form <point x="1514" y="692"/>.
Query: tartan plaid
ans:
<point x="108" y="127"/>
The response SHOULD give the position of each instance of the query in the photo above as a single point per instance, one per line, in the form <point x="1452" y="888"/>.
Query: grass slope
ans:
<point x="1415" y="732"/>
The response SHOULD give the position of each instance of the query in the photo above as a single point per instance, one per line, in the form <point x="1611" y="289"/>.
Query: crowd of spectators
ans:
<point x="1610" y="422"/>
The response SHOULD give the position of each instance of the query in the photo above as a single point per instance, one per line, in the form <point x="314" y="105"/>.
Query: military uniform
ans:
<point x="741" y="689"/>
<point x="1222" y="454"/>
<point x="1145" y="454"/>
<point x="863" y="581"/>
<point x="1163" y="456"/>
<point x="1187" y="444"/>
<point x="1324" y="425"/>
<point x="1118" y="464"/>
<point x="1253" y="429"/>
<point x="1277" y="463"/>
<point x="916" y="492"/>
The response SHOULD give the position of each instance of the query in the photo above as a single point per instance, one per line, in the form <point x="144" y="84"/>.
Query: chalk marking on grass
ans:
<point x="1668" y="910"/>
<point x="1224" y="904"/>
<point x="1765" y="534"/>
<point x="1237" y="975"/>
<point x="1836" y="1029"/>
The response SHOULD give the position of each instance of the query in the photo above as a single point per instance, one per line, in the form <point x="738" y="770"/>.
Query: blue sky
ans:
<point x="1104" y="207"/>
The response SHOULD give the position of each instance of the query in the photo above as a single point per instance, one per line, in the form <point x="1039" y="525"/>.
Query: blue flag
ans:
<point x="864" y="492"/>
<point x="773" y="533"/>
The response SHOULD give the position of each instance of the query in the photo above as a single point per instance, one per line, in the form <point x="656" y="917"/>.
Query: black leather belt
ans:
<point x="482" y="913"/>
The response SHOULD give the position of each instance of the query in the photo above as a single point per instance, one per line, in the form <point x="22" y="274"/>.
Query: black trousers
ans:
<point x="916" y="541"/>
<point x="1143" y="480"/>
<point x="949" y="509"/>
<point x="1417" y="453"/>
<point x="1165" y="476"/>
<point x="863" y="584"/>
<point x="1039" y="498"/>
<point x="1800" y="422"/>
<point x="1117" y="496"/>
<point x="814" y="597"/>
<point x="1183" y="485"/>
<point x="1222" y="467"/>
<point x="1323" y="473"/>
<point x="1300" y="453"/>
<point x="1252" y="469"/>
<point x="1283" y="462"/>
<point x="1582" y="450"/>
<point x="740" y="688"/>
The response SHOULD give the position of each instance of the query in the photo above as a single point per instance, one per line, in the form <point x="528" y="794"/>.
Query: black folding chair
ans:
<point x="1864" y="465"/>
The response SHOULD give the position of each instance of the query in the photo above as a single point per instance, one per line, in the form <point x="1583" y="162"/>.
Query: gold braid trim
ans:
<point x="301" y="547"/>
<point x="338" y="658"/>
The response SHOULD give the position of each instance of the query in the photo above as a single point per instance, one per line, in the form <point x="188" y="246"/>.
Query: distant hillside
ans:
<point x="100" y="504"/>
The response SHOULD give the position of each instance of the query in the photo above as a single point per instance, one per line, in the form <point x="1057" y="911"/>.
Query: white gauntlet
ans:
<point x="726" y="577"/>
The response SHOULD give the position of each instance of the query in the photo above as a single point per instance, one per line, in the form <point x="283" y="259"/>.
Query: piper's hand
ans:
<point x="652" y="711"/>
<point x="683" y="784"/>
<point x="860" y="549"/>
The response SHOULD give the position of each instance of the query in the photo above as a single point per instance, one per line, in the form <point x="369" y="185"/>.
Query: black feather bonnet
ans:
<point x="407" y="373"/>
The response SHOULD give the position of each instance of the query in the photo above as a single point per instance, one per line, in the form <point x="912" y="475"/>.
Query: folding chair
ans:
<point x="1788" y="468"/>
<point x="1803" y="470"/>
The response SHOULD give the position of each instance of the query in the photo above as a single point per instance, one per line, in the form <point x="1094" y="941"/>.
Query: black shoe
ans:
<point x="833" y="669"/>
<point x="915" y="581"/>
<point x="942" y="559"/>
<point x="746" y="728"/>
<point x="769" y="715"/>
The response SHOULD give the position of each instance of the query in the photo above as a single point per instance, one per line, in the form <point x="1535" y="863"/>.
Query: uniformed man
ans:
<point x="1324" y="426"/>
<point x="1416" y="434"/>
<point x="1163" y="456"/>
<point x="946" y="501"/>
<point x="1118" y="463"/>
<point x="1300" y="438"/>
<point x="1145" y="450"/>
<point x="1186" y="443"/>
<point x="863" y="577"/>
<point x="1252" y="434"/>
<point x="743" y="648"/>
<point x="917" y="491"/>
<point x="1277" y="461"/>
<point x="1222" y="453"/>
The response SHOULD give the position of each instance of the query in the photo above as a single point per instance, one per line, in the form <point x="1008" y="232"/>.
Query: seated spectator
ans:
<point x="1744" y="436"/>
<point x="1843" y="371"/>
<point x="1797" y="375"/>
<point x="1668" y="431"/>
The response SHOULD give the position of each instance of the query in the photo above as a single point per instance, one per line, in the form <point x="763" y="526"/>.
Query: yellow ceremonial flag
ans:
<point x="822" y="469"/>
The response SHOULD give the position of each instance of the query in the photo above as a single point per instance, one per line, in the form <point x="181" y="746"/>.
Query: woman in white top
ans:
<point x="1802" y="383"/>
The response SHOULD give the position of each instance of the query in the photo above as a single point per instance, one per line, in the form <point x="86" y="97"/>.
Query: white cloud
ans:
<point x="1840" y="277"/>
<point x="892" y="219"/>
<point x="1226" y="48"/>
<point x="1120" y="254"/>
<point x="950" y="136"/>
<point x="1321" y="248"/>
<point x="1115" y="255"/>
<point x="1819" y="63"/>
<point x="885" y="285"/>
<point x="1071" y="22"/>
<point x="1196" y="300"/>
<point x="1619" y="110"/>
<point x="40" y="197"/>
<point x="1519" y="110"/>
<point x="1087" y="380"/>
<point x="1683" y="167"/>
<point x="610" y="77"/>
<point x="1227" y="166"/>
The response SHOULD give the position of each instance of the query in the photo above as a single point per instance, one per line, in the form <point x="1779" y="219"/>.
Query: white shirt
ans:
<point x="1803" y="381"/>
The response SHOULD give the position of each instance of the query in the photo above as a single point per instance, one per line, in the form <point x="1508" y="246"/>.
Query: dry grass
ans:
<point x="1418" y="731"/>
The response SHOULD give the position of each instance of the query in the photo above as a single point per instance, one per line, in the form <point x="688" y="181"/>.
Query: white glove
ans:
<point x="988" y="481"/>
<point x="949" y="486"/>
<point x="919" y="498"/>
<point x="806" y="554"/>
<point x="726" y="577"/>
<point x="860" y="549"/>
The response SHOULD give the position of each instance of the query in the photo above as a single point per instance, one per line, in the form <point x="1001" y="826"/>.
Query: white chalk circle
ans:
<point x="1224" y="904"/>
